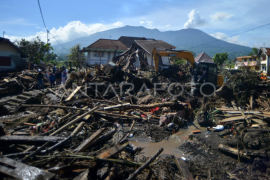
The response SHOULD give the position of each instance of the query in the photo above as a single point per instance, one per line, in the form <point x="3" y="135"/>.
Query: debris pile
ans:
<point x="86" y="128"/>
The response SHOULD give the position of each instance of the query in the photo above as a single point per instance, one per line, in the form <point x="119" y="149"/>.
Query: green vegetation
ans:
<point x="179" y="60"/>
<point x="34" y="50"/>
<point x="254" y="51"/>
<point x="220" y="58"/>
<point x="74" y="56"/>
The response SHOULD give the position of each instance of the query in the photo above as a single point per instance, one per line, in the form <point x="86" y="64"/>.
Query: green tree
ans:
<point x="74" y="55"/>
<point x="179" y="60"/>
<point x="254" y="51"/>
<point x="220" y="58"/>
<point x="50" y="57"/>
<point x="34" y="50"/>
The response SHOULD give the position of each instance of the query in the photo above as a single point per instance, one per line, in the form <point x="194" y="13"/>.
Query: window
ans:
<point x="245" y="60"/>
<point x="98" y="54"/>
<point x="263" y="57"/>
<point x="263" y="68"/>
<point x="254" y="59"/>
<point x="5" y="61"/>
<point x="250" y="59"/>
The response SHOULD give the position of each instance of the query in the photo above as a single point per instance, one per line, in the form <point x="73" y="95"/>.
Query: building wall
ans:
<point x="92" y="59"/>
<point x="165" y="60"/>
<point x="9" y="51"/>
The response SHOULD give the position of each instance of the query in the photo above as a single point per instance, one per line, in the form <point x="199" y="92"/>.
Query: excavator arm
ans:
<point x="183" y="54"/>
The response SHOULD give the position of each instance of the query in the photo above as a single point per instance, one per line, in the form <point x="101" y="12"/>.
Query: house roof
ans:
<point x="149" y="45"/>
<point x="107" y="44"/>
<point x="203" y="57"/>
<point x="128" y="40"/>
<point x="2" y="40"/>
<point x="266" y="50"/>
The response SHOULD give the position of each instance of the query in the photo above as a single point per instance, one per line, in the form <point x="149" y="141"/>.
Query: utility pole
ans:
<point x="3" y="34"/>
<point x="47" y="36"/>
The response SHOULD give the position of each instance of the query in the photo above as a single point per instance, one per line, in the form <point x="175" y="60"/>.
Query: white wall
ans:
<point x="92" y="59"/>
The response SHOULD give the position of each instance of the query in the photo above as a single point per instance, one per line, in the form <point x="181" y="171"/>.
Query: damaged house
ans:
<point x="103" y="50"/>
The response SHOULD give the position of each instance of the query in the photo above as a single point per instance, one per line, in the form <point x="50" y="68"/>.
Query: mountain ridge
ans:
<point x="185" y="39"/>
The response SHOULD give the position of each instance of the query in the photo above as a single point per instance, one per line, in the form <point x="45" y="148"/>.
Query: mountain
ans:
<point x="185" y="39"/>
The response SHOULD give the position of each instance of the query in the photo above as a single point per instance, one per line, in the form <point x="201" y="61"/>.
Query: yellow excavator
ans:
<point x="199" y="69"/>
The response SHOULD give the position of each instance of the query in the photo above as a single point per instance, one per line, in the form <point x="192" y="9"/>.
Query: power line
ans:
<point x="47" y="29"/>
<point x="232" y="35"/>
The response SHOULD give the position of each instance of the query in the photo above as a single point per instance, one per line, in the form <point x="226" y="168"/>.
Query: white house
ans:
<point x="103" y="50"/>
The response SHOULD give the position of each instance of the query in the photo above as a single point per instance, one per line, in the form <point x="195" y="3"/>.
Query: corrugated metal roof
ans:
<point x="108" y="44"/>
<point x="203" y="57"/>
<point x="149" y="45"/>
<point x="266" y="50"/>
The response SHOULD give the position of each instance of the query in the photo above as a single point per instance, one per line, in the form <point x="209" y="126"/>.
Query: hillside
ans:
<point x="186" y="39"/>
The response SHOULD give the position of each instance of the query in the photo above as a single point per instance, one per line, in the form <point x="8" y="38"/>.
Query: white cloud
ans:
<point x="71" y="31"/>
<point x="141" y="22"/>
<point x="220" y="16"/>
<point x="167" y="25"/>
<point x="223" y="36"/>
<point x="194" y="20"/>
<point x="149" y="23"/>
<point x="18" y="21"/>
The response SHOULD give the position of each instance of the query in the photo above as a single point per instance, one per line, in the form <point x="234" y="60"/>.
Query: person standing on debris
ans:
<point x="58" y="75"/>
<point x="64" y="77"/>
<point x="54" y="69"/>
<point x="52" y="80"/>
<point x="40" y="78"/>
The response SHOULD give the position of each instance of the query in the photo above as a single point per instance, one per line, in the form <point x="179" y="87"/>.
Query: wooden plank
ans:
<point x="246" y="112"/>
<point x="73" y="93"/>
<point x="251" y="101"/>
<point x="116" y="106"/>
<point x="237" y="118"/>
<point x="259" y="121"/>
<point x="112" y="151"/>
<point x="29" y="139"/>
<point x="20" y="170"/>
<point x="183" y="169"/>
<point x="264" y="115"/>
<point x="86" y="143"/>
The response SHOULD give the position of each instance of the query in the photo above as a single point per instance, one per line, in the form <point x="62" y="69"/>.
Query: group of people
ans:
<point x="55" y="77"/>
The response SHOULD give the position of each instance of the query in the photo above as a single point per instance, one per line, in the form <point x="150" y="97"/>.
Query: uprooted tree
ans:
<point x="34" y="50"/>
<point x="220" y="58"/>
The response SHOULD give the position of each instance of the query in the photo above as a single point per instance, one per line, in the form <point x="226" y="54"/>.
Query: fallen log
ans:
<point x="149" y="161"/>
<point x="183" y="169"/>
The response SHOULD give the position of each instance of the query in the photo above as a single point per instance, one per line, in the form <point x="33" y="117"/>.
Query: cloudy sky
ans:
<point x="70" y="19"/>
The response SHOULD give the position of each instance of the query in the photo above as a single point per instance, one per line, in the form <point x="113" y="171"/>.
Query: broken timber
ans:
<point x="19" y="170"/>
<point x="89" y="141"/>
<point x="183" y="169"/>
<point x="112" y="151"/>
<point x="29" y="139"/>
<point x="149" y="161"/>
<point x="73" y="93"/>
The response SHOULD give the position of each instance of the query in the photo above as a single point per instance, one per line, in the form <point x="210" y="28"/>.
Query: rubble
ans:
<point x="85" y="130"/>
